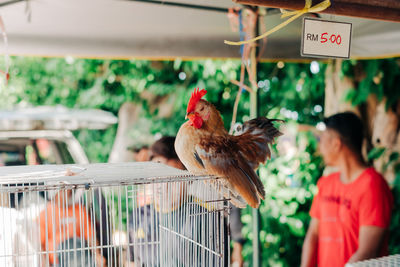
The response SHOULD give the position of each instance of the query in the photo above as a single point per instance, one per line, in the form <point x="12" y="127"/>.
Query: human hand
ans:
<point x="236" y="257"/>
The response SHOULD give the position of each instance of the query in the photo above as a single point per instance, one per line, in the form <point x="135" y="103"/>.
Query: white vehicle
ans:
<point x="42" y="135"/>
<point x="35" y="136"/>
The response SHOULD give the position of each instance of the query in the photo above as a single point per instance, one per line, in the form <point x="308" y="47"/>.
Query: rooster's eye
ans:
<point x="202" y="108"/>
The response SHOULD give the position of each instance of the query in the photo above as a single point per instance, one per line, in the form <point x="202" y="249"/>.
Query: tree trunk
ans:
<point x="127" y="116"/>
<point x="335" y="88"/>
<point x="381" y="125"/>
<point x="385" y="134"/>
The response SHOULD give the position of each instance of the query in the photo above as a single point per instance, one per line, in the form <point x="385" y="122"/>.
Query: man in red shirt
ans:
<point x="350" y="215"/>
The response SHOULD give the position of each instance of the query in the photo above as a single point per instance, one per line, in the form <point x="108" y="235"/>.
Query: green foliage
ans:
<point x="97" y="143"/>
<point x="381" y="78"/>
<point x="293" y="93"/>
<point x="394" y="225"/>
<point x="375" y="153"/>
<point x="393" y="161"/>
<point x="293" y="88"/>
<point x="289" y="180"/>
<point x="107" y="84"/>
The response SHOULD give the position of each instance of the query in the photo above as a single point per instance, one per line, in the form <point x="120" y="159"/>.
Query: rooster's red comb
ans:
<point x="196" y="96"/>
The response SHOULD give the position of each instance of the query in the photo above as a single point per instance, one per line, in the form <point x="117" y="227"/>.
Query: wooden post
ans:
<point x="127" y="116"/>
<point x="388" y="10"/>
<point x="254" y="113"/>
<point x="335" y="89"/>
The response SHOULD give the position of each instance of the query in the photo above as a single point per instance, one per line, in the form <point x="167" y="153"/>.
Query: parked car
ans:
<point x="42" y="135"/>
<point x="40" y="147"/>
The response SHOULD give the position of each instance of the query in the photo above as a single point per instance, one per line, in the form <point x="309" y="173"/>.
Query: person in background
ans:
<point x="141" y="154"/>
<point x="65" y="226"/>
<point x="163" y="151"/>
<point x="350" y="215"/>
<point x="140" y="230"/>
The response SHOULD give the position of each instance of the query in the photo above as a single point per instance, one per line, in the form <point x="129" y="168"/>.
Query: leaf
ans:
<point x="350" y="95"/>
<point x="397" y="169"/>
<point x="296" y="227"/>
<point x="394" y="156"/>
<point x="397" y="177"/>
<point x="376" y="153"/>
<point x="347" y="69"/>
<point x="177" y="63"/>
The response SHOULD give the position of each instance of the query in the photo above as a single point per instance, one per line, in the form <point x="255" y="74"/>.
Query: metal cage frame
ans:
<point x="124" y="214"/>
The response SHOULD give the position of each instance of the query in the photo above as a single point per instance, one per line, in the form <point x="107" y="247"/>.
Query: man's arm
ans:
<point x="370" y="243"/>
<point x="309" y="253"/>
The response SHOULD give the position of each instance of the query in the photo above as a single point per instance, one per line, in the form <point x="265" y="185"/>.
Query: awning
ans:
<point x="130" y="29"/>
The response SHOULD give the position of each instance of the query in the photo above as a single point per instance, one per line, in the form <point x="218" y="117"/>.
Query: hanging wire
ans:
<point x="246" y="29"/>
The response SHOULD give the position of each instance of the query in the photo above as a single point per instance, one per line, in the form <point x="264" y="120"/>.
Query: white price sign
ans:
<point x="322" y="38"/>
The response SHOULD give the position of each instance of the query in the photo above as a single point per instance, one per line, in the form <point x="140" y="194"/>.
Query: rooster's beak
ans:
<point x="189" y="115"/>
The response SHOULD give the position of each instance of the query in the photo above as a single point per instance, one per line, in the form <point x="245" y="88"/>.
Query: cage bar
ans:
<point x="128" y="214"/>
<point x="388" y="261"/>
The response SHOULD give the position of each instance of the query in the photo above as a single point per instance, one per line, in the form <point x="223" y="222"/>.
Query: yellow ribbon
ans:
<point x="295" y="14"/>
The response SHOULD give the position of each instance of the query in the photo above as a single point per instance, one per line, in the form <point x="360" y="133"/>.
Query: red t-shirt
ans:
<point x="343" y="208"/>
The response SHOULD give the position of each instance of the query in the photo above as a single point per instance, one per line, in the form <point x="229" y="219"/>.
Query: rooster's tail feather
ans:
<point x="254" y="137"/>
<point x="230" y="193"/>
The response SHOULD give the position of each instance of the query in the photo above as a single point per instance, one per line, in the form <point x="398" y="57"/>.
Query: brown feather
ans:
<point x="211" y="150"/>
<point x="240" y="182"/>
<point x="251" y="174"/>
<point x="254" y="140"/>
<point x="221" y="157"/>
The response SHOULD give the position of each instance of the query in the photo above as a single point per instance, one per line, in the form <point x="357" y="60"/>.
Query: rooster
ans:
<point x="206" y="148"/>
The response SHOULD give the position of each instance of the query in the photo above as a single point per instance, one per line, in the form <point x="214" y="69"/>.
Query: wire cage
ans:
<point x="388" y="261"/>
<point x="127" y="214"/>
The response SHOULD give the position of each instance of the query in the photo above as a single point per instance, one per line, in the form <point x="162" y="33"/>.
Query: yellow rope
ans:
<point x="295" y="14"/>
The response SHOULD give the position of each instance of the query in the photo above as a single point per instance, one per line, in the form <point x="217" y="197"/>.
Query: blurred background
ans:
<point x="150" y="97"/>
<point x="95" y="81"/>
